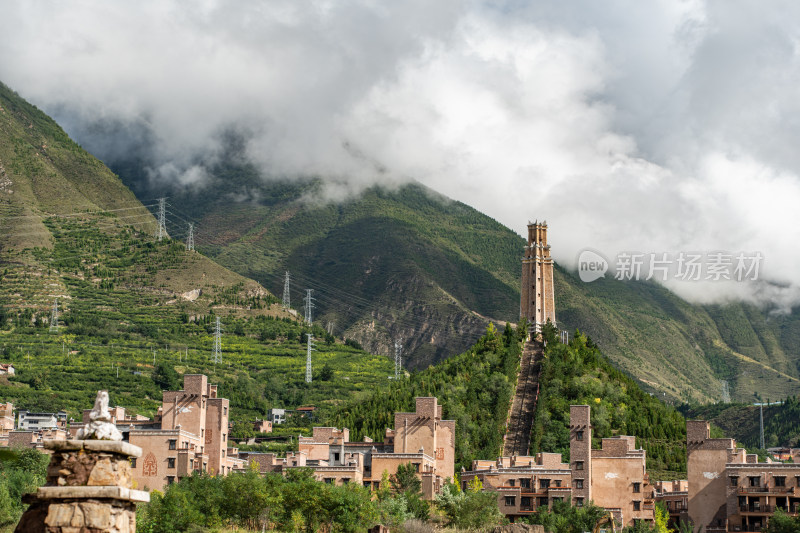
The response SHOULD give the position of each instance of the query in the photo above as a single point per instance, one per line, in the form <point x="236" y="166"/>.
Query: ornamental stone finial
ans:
<point x="99" y="426"/>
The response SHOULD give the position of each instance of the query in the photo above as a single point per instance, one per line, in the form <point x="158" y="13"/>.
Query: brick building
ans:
<point x="613" y="477"/>
<point x="537" y="298"/>
<point x="675" y="497"/>
<point x="190" y="433"/>
<point x="421" y="439"/>
<point x="729" y="490"/>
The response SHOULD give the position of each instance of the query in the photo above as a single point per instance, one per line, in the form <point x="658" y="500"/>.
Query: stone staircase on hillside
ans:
<point x="518" y="433"/>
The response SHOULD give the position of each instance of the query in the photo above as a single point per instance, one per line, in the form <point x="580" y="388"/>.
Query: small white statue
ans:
<point x="99" y="426"/>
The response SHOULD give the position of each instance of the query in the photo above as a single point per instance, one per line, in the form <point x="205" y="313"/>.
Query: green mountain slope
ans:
<point x="579" y="374"/>
<point x="742" y="422"/>
<point x="410" y="264"/>
<point x="132" y="307"/>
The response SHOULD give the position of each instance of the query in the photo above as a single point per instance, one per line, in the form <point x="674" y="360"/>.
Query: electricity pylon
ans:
<point x="54" y="317"/>
<point x="190" y="237"/>
<point x="309" y="300"/>
<point x="287" y="299"/>
<point x="310" y="347"/>
<point x="217" y="343"/>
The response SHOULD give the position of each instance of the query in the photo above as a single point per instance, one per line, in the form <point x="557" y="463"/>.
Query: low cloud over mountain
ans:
<point x="651" y="127"/>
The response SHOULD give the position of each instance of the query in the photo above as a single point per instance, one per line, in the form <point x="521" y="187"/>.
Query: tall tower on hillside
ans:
<point x="537" y="302"/>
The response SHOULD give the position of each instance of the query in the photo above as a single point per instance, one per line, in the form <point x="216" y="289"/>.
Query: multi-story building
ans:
<point x="36" y="421"/>
<point x="524" y="484"/>
<point x="613" y="477"/>
<point x="729" y="490"/>
<point x="6" y="417"/>
<point x="189" y="434"/>
<point x="277" y="416"/>
<point x="421" y="439"/>
<point x="675" y="497"/>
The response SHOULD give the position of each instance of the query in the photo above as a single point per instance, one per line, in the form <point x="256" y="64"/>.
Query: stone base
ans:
<point x="79" y="516"/>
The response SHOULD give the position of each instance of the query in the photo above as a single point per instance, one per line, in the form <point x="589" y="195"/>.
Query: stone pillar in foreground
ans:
<point x="88" y="489"/>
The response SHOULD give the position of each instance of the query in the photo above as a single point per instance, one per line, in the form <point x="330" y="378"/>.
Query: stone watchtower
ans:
<point x="537" y="302"/>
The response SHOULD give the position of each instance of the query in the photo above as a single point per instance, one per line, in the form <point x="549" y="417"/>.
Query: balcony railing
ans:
<point x="757" y="508"/>
<point x="766" y="488"/>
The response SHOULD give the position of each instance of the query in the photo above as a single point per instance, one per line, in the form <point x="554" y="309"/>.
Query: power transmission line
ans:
<point x="162" y="215"/>
<point x="309" y="300"/>
<point x="309" y="348"/>
<point x="398" y="353"/>
<point x="217" y="343"/>
<point x="190" y="238"/>
<point x="287" y="298"/>
<point x="54" y="317"/>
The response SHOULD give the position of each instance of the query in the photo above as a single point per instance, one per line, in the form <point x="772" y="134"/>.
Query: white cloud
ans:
<point x="657" y="126"/>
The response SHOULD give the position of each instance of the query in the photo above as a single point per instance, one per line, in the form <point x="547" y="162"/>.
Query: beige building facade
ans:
<point x="422" y="439"/>
<point x="613" y="477"/>
<point x="729" y="490"/>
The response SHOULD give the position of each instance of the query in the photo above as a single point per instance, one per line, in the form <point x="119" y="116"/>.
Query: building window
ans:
<point x="525" y="483"/>
<point x="578" y="502"/>
<point x="172" y="444"/>
<point x="578" y="465"/>
<point x="780" y="481"/>
<point x="416" y="467"/>
<point x="367" y="484"/>
<point x="330" y="480"/>
<point x="345" y="481"/>
<point x="544" y="483"/>
<point x="678" y="504"/>
<point x="170" y="462"/>
<point x="170" y="480"/>
<point x="578" y="483"/>
<point x="525" y="502"/>
<point x="543" y="501"/>
<point x="133" y="462"/>
<point x="637" y="487"/>
<point x="335" y="457"/>
<point x="224" y="437"/>
<point x="734" y="481"/>
<point x="637" y="505"/>
<point x="510" y="501"/>
<point x="511" y="482"/>
<point x="224" y="410"/>
<point x="755" y="481"/>
<point x="557" y="483"/>
<point x="579" y="435"/>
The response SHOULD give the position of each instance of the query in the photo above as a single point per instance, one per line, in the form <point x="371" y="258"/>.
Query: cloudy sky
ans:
<point x="627" y="125"/>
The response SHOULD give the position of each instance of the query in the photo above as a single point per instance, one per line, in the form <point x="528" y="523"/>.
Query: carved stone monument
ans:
<point x="88" y="486"/>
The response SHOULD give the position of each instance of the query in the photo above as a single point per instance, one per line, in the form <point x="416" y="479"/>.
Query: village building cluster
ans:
<point x="726" y="490"/>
